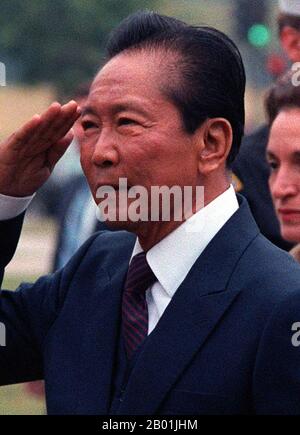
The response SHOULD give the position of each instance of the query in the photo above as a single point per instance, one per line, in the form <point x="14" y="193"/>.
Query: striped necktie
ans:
<point x="134" y="304"/>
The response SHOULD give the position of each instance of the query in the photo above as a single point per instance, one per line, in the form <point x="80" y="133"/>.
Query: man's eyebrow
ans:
<point x="117" y="108"/>
<point x="87" y="110"/>
<point x="122" y="107"/>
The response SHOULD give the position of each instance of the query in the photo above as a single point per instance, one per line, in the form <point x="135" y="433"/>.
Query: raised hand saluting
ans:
<point x="29" y="155"/>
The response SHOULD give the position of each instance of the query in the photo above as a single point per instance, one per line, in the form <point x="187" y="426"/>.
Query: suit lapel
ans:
<point x="99" y="335"/>
<point x="190" y="318"/>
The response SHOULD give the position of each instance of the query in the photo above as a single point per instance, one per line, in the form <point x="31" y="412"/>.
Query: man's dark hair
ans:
<point x="205" y="78"/>
<point x="282" y="95"/>
<point x="288" y="20"/>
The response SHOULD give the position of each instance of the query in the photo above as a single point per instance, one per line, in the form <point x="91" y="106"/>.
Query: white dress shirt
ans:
<point x="11" y="207"/>
<point x="173" y="257"/>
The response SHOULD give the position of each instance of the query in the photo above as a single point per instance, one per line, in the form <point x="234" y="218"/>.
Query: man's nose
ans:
<point x="105" y="153"/>
<point x="283" y="185"/>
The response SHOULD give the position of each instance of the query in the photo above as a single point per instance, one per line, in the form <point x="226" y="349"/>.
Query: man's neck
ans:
<point x="150" y="235"/>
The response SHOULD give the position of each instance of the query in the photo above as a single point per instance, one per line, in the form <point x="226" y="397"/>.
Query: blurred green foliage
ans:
<point x="59" y="42"/>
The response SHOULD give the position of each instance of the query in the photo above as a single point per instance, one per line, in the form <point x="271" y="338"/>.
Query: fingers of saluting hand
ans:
<point x="42" y="131"/>
<point x="58" y="150"/>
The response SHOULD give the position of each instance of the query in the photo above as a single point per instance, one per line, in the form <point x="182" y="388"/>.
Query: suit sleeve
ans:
<point x="276" y="382"/>
<point x="10" y="231"/>
<point x="27" y="314"/>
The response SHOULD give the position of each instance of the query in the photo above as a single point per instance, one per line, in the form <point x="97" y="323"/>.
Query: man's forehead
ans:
<point x="127" y="79"/>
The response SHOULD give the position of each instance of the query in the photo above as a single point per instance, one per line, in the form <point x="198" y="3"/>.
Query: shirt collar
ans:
<point x="172" y="258"/>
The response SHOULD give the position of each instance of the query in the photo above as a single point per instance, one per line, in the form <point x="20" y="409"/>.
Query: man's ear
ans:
<point x="216" y="140"/>
<point x="290" y="42"/>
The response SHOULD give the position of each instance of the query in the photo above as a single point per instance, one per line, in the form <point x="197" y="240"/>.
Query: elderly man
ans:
<point x="168" y="317"/>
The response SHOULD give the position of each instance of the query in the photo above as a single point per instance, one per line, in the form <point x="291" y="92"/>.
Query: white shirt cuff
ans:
<point x="11" y="207"/>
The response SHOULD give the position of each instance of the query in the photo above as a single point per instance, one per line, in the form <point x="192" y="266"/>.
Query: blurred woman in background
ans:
<point x="283" y="155"/>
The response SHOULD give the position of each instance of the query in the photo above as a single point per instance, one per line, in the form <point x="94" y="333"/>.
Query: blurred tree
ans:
<point x="60" y="42"/>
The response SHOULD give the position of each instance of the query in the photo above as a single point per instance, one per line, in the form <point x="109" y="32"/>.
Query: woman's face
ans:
<point x="283" y="156"/>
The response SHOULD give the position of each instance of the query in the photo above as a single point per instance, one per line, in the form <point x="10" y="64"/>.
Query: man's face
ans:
<point x="283" y="155"/>
<point x="132" y="131"/>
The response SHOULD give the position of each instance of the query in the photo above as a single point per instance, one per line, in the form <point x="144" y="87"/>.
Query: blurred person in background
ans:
<point x="250" y="169"/>
<point x="283" y="156"/>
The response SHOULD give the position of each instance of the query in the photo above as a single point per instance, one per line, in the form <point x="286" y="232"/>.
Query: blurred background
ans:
<point x="49" y="49"/>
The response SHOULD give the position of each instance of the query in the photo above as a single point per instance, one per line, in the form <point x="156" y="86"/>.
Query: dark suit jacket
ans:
<point x="223" y="345"/>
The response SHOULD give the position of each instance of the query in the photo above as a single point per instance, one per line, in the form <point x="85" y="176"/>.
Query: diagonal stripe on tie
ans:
<point x="134" y="305"/>
<point x="141" y="321"/>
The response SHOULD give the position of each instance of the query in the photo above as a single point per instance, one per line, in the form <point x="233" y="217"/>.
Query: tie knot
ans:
<point x="139" y="275"/>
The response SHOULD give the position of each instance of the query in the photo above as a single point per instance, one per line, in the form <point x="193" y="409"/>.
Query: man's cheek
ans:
<point x="85" y="159"/>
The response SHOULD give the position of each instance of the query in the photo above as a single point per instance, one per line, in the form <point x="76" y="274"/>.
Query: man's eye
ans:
<point x="86" y="125"/>
<point x="126" y="121"/>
